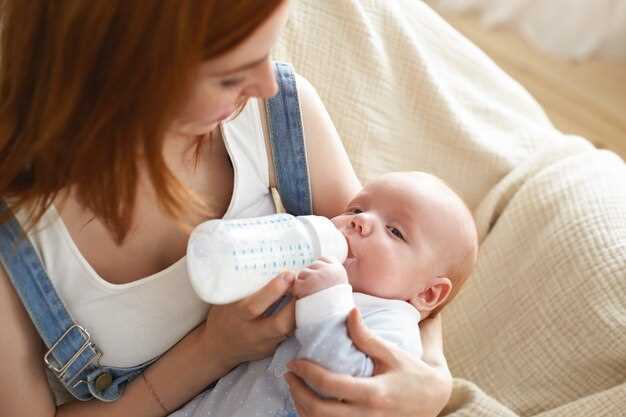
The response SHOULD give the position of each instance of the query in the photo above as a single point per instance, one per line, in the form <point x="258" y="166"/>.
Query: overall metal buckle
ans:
<point x="60" y="372"/>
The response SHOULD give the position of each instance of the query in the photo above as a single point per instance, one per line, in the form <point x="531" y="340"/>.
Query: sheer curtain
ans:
<point x="576" y="29"/>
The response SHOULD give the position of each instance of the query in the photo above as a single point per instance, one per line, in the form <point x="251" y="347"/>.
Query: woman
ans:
<point x="110" y="138"/>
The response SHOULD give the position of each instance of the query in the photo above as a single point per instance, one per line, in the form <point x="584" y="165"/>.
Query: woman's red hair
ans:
<point x="88" y="87"/>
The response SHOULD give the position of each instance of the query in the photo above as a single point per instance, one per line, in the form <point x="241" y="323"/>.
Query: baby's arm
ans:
<point x="321" y="316"/>
<point x="322" y="334"/>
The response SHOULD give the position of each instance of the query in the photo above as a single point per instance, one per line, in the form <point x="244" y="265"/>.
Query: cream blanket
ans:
<point x="540" y="328"/>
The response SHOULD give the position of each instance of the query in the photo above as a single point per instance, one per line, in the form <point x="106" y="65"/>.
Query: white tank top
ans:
<point x="135" y="322"/>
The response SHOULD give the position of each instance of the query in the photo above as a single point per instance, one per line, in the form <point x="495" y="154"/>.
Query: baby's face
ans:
<point x="398" y="228"/>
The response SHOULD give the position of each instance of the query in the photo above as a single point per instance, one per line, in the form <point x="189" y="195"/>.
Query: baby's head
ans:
<point x="410" y="237"/>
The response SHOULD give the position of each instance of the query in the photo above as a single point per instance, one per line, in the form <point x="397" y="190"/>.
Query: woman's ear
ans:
<point x="429" y="298"/>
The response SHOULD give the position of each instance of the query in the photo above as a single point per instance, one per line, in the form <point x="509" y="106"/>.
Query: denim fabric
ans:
<point x="119" y="376"/>
<point x="287" y="140"/>
<point x="69" y="343"/>
<point x="288" y="151"/>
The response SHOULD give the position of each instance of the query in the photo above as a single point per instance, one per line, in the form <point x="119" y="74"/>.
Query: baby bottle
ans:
<point x="228" y="260"/>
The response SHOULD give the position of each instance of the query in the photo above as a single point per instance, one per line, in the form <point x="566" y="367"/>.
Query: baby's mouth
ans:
<point x="350" y="255"/>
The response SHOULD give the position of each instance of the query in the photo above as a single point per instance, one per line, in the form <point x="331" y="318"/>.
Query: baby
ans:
<point x="412" y="243"/>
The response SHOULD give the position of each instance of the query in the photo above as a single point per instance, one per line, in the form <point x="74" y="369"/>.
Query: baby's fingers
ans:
<point x="304" y="287"/>
<point x="316" y="265"/>
<point x="306" y="272"/>
<point x="322" y="261"/>
<point x="328" y="259"/>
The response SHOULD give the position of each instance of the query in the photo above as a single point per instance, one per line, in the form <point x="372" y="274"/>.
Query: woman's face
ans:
<point x="221" y="83"/>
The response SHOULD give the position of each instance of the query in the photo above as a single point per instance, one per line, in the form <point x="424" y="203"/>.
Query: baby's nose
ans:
<point x="361" y="224"/>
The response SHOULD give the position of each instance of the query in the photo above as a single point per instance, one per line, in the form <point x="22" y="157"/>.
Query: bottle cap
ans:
<point x="332" y="242"/>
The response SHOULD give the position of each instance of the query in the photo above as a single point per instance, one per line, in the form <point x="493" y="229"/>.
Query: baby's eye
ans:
<point x="230" y="83"/>
<point x="394" y="231"/>
<point x="355" y="211"/>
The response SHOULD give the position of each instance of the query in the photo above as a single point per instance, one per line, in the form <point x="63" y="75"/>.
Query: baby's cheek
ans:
<point x="373" y="282"/>
<point x="340" y="221"/>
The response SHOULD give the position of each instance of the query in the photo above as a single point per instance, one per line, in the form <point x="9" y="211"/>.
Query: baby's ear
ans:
<point x="435" y="293"/>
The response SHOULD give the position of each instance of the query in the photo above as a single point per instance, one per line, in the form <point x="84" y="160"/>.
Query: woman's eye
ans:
<point x="397" y="233"/>
<point x="231" y="82"/>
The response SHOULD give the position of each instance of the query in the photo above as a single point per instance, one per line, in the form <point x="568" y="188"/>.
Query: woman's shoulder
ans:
<point x="304" y="85"/>
<point x="22" y="373"/>
<point x="333" y="180"/>
<point x="331" y="177"/>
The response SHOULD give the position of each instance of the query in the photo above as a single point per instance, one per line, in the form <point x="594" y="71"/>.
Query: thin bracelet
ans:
<point x="153" y="393"/>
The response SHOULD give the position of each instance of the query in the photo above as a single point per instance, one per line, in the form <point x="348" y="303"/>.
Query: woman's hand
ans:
<point x="400" y="387"/>
<point x="242" y="332"/>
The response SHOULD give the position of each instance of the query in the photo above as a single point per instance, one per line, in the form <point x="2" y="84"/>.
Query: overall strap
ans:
<point x="72" y="356"/>
<point x="286" y="137"/>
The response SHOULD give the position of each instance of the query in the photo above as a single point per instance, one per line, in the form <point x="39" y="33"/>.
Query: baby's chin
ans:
<point x="357" y="284"/>
<point x="365" y="286"/>
<point x="364" y="289"/>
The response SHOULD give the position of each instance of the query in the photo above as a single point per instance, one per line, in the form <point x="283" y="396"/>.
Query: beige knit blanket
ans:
<point x="540" y="328"/>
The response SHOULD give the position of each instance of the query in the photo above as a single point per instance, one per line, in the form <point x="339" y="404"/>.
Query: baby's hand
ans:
<point x="321" y="274"/>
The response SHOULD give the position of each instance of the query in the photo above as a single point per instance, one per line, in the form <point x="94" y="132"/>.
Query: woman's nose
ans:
<point x="264" y="85"/>
<point x="361" y="224"/>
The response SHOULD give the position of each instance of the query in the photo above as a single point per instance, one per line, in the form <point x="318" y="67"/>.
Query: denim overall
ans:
<point x="72" y="356"/>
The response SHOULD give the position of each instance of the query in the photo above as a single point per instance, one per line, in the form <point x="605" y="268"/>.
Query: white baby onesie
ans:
<point x="258" y="388"/>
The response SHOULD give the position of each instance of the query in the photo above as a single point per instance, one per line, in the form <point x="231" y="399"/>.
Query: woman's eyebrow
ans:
<point x="242" y="67"/>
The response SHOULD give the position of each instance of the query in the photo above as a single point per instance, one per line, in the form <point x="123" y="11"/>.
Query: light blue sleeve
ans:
<point x="323" y="337"/>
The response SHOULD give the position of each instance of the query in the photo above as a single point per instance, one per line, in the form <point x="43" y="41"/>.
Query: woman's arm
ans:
<point x="171" y="377"/>
<point x="24" y="388"/>
<point x="231" y="334"/>
<point x="333" y="181"/>
<point x="400" y="387"/>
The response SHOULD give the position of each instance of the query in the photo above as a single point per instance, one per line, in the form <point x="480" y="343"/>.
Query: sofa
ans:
<point x="539" y="329"/>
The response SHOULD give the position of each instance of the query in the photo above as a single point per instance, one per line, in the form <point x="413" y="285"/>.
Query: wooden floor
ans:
<point x="586" y="98"/>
